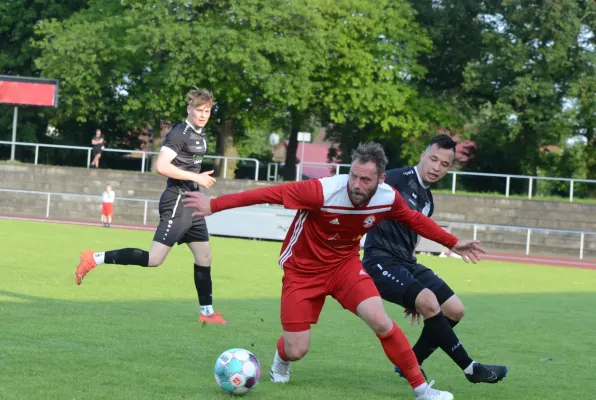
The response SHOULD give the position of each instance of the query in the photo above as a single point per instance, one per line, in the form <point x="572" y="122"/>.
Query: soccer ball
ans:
<point x="237" y="371"/>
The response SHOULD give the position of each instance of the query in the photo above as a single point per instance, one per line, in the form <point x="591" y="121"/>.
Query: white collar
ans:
<point x="199" y="131"/>
<point x="420" y="179"/>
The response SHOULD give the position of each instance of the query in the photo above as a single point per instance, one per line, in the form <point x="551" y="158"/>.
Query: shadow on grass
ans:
<point x="53" y="348"/>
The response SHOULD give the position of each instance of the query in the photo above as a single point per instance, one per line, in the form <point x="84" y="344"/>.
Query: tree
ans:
<point x="137" y="60"/>
<point x="523" y="80"/>
<point x="17" y="23"/>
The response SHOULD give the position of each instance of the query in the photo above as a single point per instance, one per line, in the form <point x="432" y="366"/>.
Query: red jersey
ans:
<point x="327" y="228"/>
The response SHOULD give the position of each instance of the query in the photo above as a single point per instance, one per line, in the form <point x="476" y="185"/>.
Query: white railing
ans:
<point x="144" y="155"/>
<point x="528" y="233"/>
<point x="507" y="177"/>
<point x="454" y="175"/>
<point x="49" y="195"/>
<point x="272" y="222"/>
<point x="300" y="167"/>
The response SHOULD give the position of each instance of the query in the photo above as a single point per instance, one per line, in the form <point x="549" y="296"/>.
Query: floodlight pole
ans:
<point x="302" y="158"/>
<point x="14" y="132"/>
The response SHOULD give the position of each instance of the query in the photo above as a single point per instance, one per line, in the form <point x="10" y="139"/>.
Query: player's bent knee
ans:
<point x="373" y="313"/>
<point x="155" y="260"/>
<point x="381" y="325"/>
<point x="296" y="347"/>
<point x="455" y="314"/>
<point x="427" y="304"/>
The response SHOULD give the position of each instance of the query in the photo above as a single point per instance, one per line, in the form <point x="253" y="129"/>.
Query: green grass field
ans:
<point x="132" y="333"/>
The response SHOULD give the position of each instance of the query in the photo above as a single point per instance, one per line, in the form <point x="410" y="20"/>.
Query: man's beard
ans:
<point x="365" y="199"/>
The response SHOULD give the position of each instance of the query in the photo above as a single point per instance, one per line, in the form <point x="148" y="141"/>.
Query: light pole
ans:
<point x="302" y="137"/>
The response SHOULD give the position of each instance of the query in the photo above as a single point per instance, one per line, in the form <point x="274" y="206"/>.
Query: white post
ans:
<point x="530" y="189"/>
<point x="302" y="159"/>
<point x="88" y="158"/>
<point x="14" y="133"/>
<point x="507" y="186"/>
<point x="48" y="206"/>
<point x="475" y="232"/>
<point x="453" y="183"/>
<point x="145" y="214"/>
<point x="337" y="169"/>
<point x="143" y="164"/>
<point x="528" y="242"/>
<point x="36" y="153"/>
<point x="225" y="167"/>
<point x="256" y="170"/>
<point x="581" y="246"/>
<point x="571" y="191"/>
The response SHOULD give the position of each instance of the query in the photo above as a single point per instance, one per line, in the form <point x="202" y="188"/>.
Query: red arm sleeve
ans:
<point x="420" y="223"/>
<point x="304" y="195"/>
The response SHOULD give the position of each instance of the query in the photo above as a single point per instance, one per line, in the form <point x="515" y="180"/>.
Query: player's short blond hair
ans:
<point x="198" y="97"/>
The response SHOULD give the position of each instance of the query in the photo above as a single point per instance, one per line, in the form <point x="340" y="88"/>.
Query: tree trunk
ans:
<point x="290" y="165"/>
<point x="226" y="148"/>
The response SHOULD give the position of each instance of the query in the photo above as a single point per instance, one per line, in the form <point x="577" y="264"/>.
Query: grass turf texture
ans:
<point x="132" y="333"/>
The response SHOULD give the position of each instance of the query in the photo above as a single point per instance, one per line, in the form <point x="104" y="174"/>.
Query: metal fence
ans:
<point x="330" y="168"/>
<point x="531" y="180"/>
<point x="144" y="155"/>
<point x="273" y="168"/>
<point x="271" y="222"/>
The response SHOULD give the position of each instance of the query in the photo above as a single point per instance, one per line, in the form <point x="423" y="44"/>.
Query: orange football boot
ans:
<point x="215" y="318"/>
<point x="86" y="264"/>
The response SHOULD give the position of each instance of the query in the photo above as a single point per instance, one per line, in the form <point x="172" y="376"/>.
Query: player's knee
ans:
<point x="455" y="313"/>
<point x="203" y="259"/>
<point x="381" y="325"/>
<point x="427" y="304"/>
<point x="155" y="260"/>
<point x="296" y="349"/>
<point x="379" y="321"/>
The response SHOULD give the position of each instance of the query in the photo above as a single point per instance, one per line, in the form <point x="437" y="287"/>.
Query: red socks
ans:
<point x="281" y="349"/>
<point x="400" y="353"/>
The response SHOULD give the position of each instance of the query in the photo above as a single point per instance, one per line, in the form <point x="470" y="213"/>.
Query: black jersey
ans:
<point x="97" y="148"/>
<point x="393" y="239"/>
<point x="190" y="146"/>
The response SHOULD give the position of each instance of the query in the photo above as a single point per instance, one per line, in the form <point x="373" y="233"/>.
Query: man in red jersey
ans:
<point x="320" y="255"/>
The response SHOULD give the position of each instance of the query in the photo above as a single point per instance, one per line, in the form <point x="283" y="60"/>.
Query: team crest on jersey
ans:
<point x="426" y="209"/>
<point x="369" y="221"/>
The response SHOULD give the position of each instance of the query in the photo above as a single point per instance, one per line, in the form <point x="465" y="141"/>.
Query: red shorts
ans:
<point x="303" y="296"/>
<point x="107" y="209"/>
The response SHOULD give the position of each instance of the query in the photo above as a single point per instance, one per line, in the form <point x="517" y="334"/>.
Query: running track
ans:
<point x="515" y="258"/>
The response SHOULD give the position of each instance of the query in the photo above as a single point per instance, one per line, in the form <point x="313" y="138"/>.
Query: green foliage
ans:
<point x="17" y="23"/>
<point x="532" y="56"/>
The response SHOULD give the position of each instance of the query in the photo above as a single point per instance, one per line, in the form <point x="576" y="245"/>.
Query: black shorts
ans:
<point x="176" y="223"/>
<point x="401" y="284"/>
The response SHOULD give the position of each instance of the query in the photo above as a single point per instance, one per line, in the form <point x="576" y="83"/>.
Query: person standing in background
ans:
<point x="97" y="143"/>
<point x="107" y="206"/>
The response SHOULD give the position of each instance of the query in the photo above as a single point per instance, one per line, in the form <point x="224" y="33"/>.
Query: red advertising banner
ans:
<point x="28" y="91"/>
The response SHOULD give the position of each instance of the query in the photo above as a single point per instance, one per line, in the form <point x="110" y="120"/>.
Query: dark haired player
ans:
<point x="390" y="261"/>
<point x="320" y="256"/>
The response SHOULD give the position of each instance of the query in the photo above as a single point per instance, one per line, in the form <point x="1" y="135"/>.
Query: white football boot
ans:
<point x="280" y="370"/>
<point x="433" y="394"/>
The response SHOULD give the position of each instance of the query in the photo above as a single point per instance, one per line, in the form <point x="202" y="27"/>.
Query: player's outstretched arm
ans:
<point x="469" y="250"/>
<point x="165" y="167"/>
<point x="304" y="195"/>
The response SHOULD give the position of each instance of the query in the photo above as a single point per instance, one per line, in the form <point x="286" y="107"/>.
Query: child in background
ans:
<point x="107" y="206"/>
